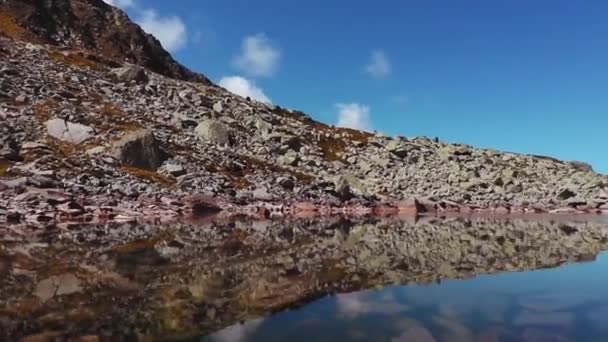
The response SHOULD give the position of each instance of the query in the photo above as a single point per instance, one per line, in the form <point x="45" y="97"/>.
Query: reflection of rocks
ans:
<point x="207" y="276"/>
<point x="57" y="286"/>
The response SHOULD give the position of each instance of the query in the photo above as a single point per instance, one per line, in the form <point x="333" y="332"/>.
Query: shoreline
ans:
<point x="36" y="207"/>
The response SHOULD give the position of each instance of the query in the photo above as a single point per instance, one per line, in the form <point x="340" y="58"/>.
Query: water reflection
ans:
<point x="568" y="303"/>
<point x="125" y="282"/>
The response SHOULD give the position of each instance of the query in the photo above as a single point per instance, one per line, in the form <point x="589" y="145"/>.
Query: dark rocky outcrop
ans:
<point x="140" y="149"/>
<point x="95" y="26"/>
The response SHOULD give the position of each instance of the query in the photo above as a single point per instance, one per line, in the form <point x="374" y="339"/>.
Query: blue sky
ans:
<point x="527" y="76"/>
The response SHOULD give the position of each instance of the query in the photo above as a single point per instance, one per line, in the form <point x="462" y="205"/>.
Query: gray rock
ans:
<point x="286" y="183"/>
<point x="349" y="186"/>
<point x="215" y="132"/>
<point x="218" y="107"/>
<point x="131" y="73"/>
<point x="290" y="158"/>
<point x="61" y="285"/>
<point x="139" y="149"/>
<point x="73" y="133"/>
<point x="262" y="194"/>
<point x="175" y="170"/>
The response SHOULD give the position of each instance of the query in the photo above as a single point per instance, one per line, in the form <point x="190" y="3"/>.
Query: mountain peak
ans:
<point x="90" y="25"/>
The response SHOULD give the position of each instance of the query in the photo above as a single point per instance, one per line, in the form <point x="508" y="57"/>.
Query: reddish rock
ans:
<point x="384" y="210"/>
<point x="411" y="206"/>
<point x="565" y="210"/>
<point x="304" y="206"/>
<point x="502" y="210"/>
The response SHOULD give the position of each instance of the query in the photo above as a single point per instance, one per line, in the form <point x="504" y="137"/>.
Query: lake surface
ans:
<point x="427" y="279"/>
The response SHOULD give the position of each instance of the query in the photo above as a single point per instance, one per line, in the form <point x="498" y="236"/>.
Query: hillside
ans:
<point x="98" y="121"/>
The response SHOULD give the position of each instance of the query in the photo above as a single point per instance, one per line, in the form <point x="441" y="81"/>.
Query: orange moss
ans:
<point x="22" y="308"/>
<point x="10" y="28"/>
<point x="138" y="245"/>
<point x="239" y="182"/>
<point x="43" y="110"/>
<point x="4" y="166"/>
<point x="113" y="117"/>
<point x="77" y="59"/>
<point x="257" y="164"/>
<point x="148" y="175"/>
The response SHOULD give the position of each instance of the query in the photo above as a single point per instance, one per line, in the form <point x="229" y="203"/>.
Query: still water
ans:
<point x="568" y="303"/>
<point x="426" y="279"/>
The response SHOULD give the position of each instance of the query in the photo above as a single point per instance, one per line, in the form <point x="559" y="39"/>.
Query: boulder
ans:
<point x="140" y="149"/>
<point x="290" y="158"/>
<point x="397" y="148"/>
<point x="131" y="73"/>
<point x="73" y="133"/>
<point x="349" y="186"/>
<point x="218" y="107"/>
<point x="215" y="132"/>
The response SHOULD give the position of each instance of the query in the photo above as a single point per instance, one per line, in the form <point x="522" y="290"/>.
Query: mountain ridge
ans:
<point x="94" y="25"/>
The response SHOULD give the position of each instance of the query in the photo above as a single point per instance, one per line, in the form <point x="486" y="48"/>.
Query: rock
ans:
<point x="139" y="149"/>
<point x="174" y="170"/>
<point x="565" y="194"/>
<point x="397" y="148"/>
<point x="262" y="194"/>
<point x="217" y="107"/>
<point x="263" y="127"/>
<point x="64" y="284"/>
<point x="411" y="206"/>
<point x="290" y="158"/>
<point x="215" y="132"/>
<point x="68" y="131"/>
<point x="131" y="73"/>
<point x="349" y="186"/>
<point x="286" y="183"/>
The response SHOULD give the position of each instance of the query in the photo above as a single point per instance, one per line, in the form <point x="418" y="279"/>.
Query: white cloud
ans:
<point x="243" y="87"/>
<point x="120" y="3"/>
<point x="258" y="56"/>
<point x="353" y="115"/>
<point x="170" y="30"/>
<point x="379" y="66"/>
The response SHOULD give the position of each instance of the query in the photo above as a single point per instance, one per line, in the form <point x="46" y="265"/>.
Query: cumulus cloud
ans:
<point x="379" y="66"/>
<point x="120" y="3"/>
<point x="353" y="115"/>
<point x="258" y="56"/>
<point x="170" y="30"/>
<point x="243" y="87"/>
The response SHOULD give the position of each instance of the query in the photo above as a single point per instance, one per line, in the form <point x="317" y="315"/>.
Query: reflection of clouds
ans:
<point x="352" y="305"/>
<point x="237" y="332"/>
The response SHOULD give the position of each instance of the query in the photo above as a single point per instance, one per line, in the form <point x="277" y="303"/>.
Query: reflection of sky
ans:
<point x="237" y="332"/>
<point x="352" y="305"/>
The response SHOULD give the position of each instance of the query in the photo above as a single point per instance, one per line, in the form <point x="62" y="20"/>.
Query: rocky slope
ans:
<point x="83" y="132"/>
